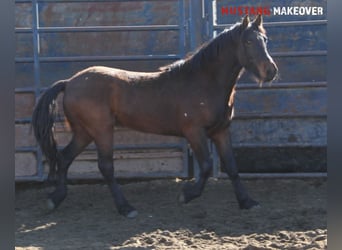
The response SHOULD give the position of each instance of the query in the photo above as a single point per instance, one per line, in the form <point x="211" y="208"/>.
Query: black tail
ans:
<point x="43" y="119"/>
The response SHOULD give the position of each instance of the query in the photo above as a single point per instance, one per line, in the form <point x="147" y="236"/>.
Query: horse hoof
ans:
<point x="181" y="198"/>
<point x="132" y="214"/>
<point x="249" y="204"/>
<point x="50" y="204"/>
<point x="256" y="207"/>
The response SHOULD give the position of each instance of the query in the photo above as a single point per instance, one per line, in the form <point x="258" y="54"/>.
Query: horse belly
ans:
<point x="156" y="117"/>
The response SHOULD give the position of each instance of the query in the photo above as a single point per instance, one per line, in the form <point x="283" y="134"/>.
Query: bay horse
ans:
<point x="190" y="98"/>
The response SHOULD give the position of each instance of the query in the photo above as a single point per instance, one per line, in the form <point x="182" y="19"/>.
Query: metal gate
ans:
<point x="281" y="127"/>
<point x="56" y="38"/>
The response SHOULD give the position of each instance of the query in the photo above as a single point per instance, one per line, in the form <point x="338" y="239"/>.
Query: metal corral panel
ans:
<point x="56" y="39"/>
<point x="281" y="127"/>
<point x="136" y="154"/>
<point x="133" y="163"/>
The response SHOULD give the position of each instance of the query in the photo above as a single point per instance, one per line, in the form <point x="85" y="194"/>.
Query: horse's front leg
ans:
<point x="104" y="144"/>
<point x="199" y="144"/>
<point x="223" y="145"/>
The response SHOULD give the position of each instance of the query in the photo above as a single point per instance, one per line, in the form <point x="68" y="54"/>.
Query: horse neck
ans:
<point x="226" y="71"/>
<point x="222" y="64"/>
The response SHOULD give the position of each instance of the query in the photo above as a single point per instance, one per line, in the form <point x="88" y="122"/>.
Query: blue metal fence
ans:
<point x="277" y="128"/>
<point x="36" y="29"/>
<point x="280" y="128"/>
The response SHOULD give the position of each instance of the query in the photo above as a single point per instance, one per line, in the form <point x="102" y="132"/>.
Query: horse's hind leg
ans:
<point x="104" y="144"/>
<point x="199" y="144"/>
<point x="65" y="157"/>
<point x="223" y="145"/>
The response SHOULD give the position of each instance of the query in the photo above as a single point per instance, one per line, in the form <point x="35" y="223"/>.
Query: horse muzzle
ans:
<point x="269" y="71"/>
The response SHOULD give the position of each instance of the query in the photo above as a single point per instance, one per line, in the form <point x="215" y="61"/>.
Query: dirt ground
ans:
<point x="292" y="215"/>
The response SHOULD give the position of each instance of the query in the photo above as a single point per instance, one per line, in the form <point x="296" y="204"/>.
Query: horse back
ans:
<point x="150" y="102"/>
<point x="131" y="99"/>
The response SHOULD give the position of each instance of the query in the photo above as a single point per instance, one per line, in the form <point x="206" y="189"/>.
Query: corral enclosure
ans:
<point x="280" y="127"/>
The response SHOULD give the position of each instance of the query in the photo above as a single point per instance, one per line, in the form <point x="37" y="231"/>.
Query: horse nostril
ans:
<point x="271" y="72"/>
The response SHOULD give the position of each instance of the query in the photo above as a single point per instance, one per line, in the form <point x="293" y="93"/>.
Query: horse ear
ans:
<point x="245" y="22"/>
<point x="258" y="21"/>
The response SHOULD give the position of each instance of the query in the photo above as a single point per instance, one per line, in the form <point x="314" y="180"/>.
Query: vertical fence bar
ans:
<point x="190" y="25"/>
<point x="210" y="19"/>
<point x="182" y="28"/>
<point x="36" y="66"/>
<point x="182" y="46"/>
<point x="196" y="13"/>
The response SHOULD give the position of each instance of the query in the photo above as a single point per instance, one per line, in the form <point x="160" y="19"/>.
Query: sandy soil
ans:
<point x="293" y="215"/>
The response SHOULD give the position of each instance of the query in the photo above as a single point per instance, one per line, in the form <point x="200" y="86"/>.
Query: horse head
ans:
<point x="252" y="50"/>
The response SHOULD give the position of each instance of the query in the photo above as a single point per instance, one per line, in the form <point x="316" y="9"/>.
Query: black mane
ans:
<point x="205" y="53"/>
